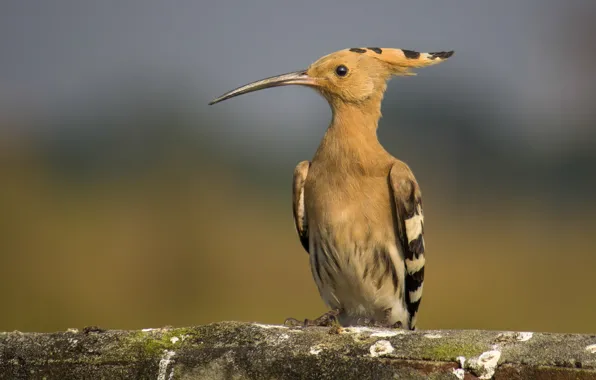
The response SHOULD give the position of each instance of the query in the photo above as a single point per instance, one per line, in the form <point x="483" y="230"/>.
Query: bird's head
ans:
<point x="349" y="76"/>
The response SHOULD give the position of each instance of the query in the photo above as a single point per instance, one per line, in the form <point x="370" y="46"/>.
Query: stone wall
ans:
<point x="233" y="350"/>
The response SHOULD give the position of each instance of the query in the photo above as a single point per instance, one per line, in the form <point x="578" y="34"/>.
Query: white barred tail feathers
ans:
<point x="414" y="259"/>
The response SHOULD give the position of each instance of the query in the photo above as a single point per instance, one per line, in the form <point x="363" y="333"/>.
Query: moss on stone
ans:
<point x="449" y="351"/>
<point x="153" y="343"/>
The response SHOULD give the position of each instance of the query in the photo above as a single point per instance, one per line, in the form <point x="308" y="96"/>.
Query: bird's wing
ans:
<point x="410" y="227"/>
<point x="300" y="220"/>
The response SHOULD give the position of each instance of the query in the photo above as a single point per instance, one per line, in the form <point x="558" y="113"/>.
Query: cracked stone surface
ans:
<point x="234" y="350"/>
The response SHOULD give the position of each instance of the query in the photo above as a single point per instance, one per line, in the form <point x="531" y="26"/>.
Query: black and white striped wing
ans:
<point x="300" y="220"/>
<point x="410" y="227"/>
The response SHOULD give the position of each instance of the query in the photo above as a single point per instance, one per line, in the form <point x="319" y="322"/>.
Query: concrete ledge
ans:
<point x="233" y="350"/>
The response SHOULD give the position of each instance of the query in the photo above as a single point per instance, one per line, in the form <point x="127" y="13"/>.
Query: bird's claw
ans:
<point x="367" y="322"/>
<point x="326" y="320"/>
<point x="293" y="322"/>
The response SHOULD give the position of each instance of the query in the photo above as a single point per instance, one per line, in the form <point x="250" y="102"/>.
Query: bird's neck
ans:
<point x="357" y="117"/>
<point x="351" y="140"/>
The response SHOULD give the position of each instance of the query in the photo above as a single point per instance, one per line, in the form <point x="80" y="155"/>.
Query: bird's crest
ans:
<point x="402" y="59"/>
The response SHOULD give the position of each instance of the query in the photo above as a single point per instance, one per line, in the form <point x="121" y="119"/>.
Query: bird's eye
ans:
<point x="341" y="70"/>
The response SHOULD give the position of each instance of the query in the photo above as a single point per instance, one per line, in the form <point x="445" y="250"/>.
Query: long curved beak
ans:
<point x="296" y="77"/>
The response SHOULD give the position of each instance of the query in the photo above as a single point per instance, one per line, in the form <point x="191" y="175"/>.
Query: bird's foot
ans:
<point x="326" y="320"/>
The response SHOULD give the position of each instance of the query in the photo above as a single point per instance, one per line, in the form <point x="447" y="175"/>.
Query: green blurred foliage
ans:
<point x="150" y="225"/>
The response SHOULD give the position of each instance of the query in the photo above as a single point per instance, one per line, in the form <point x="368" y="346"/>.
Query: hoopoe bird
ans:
<point x="357" y="209"/>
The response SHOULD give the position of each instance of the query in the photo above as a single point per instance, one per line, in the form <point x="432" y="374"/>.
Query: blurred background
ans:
<point x="127" y="202"/>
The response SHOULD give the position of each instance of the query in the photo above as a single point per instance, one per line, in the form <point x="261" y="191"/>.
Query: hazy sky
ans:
<point x="54" y="53"/>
